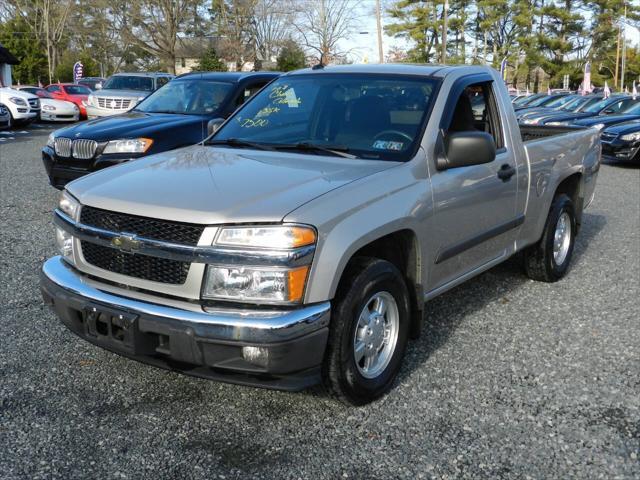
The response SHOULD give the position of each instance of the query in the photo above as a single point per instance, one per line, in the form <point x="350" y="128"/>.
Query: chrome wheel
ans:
<point x="376" y="334"/>
<point x="562" y="239"/>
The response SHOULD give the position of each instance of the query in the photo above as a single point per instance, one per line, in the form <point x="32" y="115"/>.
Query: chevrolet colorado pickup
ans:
<point x="299" y="243"/>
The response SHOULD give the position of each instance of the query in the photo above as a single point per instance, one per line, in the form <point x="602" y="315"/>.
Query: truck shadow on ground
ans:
<point x="445" y="313"/>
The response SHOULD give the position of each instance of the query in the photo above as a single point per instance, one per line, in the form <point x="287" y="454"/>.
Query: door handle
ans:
<point x="506" y="172"/>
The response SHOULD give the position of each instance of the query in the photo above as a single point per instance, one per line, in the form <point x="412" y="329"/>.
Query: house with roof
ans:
<point x="6" y="60"/>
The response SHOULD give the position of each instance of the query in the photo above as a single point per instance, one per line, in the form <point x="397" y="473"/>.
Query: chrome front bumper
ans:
<point x="205" y="343"/>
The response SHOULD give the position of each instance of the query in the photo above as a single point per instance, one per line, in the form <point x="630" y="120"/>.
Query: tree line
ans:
<point x="541" y="41"/>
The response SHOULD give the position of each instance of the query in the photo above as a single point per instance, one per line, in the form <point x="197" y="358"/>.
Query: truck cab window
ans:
<point x="476" y="110"/>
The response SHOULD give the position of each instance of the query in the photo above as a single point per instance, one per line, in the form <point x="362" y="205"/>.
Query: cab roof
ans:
<point x="229" y="76"/>
<point x="432" y="70"/>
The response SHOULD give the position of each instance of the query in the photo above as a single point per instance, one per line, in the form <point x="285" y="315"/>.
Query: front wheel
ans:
<point x="369" y="332"/>
<point x="548" y="260"/>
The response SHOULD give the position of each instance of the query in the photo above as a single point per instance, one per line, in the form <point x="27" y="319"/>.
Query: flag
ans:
<point x="77" y="71"/>
<point x="606" y="91"/>
<point x="586" y="83"/>
<point x="549" y="90"/>
<point x="40" y="84"/>
<point x="528" y="93"/>
<point x="503" y="69"/>
<point x="634" y="92"/>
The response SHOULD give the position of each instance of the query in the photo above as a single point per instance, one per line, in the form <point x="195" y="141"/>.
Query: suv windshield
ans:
<point x="596" y="107"/>
<point x="133" y="82"/>
<point x="189" y="96"/>
<point x="77" y="90"/>
<point x="369" y="116"/>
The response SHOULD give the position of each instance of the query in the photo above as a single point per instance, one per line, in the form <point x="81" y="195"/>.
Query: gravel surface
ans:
<point x="511" y="378"/>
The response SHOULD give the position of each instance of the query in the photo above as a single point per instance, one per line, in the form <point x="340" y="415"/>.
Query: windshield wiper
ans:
<point x="239" y="143"/>
<point x="337" y="150"/>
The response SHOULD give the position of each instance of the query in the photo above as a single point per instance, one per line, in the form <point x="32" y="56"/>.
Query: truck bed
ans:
<point x="536" y="132"/>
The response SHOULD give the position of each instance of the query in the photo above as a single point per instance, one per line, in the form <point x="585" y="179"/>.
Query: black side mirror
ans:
<point x="608" y="111"/>
<point x="214" y="124"/>
<point x="462" y="149"/>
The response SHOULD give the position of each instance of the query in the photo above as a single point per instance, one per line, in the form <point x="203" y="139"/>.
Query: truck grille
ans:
<point x="114" y="103"/>
<point x="138" y="266"/>
<point x="163" y="230"/>
<point x="81" y="149"/>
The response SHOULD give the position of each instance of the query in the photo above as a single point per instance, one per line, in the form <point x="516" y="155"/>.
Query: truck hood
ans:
<point x="606" y="120"/>
<point x="212" y="185"/>
<point x="130" y="125"/>
<point x="624" y="128"/>
<point x="8" y="92"/>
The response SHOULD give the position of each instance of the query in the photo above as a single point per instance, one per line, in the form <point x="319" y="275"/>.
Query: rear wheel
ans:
<point x="369" y="331"/>
<point x="549" y="259"/>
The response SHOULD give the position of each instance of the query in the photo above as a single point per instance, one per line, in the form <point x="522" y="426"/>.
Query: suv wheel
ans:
<point x="369" y="332"/>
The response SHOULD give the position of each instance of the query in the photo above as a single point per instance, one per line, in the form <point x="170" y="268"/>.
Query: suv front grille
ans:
<point x="163" y="230"/>
<point x="84" y="149"/>
<point x="138" y="266"/>
<point x="114" y="103"/>
<point x="63" y="147"/>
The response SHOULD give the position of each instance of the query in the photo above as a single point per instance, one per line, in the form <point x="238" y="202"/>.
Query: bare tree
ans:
<point x="153" y="25"/>
<point x="48" y="21"/>
<point x="235" y="26"/>
<point x="271" y="26"/>
<point x="322" y="24"/>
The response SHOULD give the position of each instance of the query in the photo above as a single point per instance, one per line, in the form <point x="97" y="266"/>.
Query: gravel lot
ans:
<point x="511" y="379"/>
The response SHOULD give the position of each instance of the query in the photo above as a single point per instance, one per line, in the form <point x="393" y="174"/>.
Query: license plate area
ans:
<point x="111" y="326"/>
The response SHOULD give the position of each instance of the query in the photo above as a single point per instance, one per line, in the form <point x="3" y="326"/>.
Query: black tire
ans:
<point x="363" y="279"/>
<point x="539" y="262"/>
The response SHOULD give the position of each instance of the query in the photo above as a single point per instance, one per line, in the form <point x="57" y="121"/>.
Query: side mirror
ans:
<point x="98" y="86"/>
<point x="608" y="111"/>
<point x="214" y="124"/>
<point x="462" y="149"/>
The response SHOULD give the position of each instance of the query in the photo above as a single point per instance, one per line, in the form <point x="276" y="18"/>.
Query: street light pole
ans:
<point x="445" y="27"/>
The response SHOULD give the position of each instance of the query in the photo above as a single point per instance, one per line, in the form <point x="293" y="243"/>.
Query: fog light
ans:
<point x="256" y="355"/>
<point x="64" y="241"/>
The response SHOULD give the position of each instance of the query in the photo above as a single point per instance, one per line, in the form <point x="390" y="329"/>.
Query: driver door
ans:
<point x="474" y="218"/>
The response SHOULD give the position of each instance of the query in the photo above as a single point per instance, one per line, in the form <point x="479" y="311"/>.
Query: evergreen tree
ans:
<point x="291" y="57"/>
<point x="210" y="62"/>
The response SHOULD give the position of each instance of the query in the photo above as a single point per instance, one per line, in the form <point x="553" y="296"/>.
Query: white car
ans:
<point x="23" y="107"/>
<point x="53" y="110"/>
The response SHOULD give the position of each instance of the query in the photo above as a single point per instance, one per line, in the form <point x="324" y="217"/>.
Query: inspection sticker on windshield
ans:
<point x="387" y="145"/>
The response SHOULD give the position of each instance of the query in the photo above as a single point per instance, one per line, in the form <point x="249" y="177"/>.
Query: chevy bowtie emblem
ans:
<point x="126" y="242"/>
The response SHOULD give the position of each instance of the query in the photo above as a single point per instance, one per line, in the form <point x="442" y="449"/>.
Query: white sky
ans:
<point x="364" y="47"/>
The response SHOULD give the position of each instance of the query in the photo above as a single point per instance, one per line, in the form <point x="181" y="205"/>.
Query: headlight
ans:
<point x="18" y="100"/>
<point x="530" y="121"/>
<point x="69" y="205"/>
<point x="277" y="236"/>
<point x="64" y="242"/>
<point x="598" y="126"/>
<point x="51" y="140"/>
<point x="132" y="145"/>
<point x="91" y="100"/>
<point x="259" y="284"/>
<point x="630" y="137"/>
<point x="139" y="99"/>
<point x="48" y="108"/>
<point x="75" y="107"/>
<point x="558" y="124"/>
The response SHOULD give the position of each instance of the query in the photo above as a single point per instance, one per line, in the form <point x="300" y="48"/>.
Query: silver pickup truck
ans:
<point x="299" y="243"/>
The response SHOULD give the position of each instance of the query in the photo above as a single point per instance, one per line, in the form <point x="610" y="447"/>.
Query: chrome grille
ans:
<point x="63" y="147"/>
<point x="114" y="103"/>
<point x="34" y="103"/>
<point x="84" y="149"/>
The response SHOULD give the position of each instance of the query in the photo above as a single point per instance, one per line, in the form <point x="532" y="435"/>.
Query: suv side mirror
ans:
<point x="214" y="124"/>
<point x="462" y="149"/>
<point x="99" y="86"/>
<point x="608" y="111"/>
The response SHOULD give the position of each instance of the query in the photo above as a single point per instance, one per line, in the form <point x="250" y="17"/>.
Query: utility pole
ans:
<point x="615" y="77"/>
<point x="445" y="28"/>
<point x="379" y="25"/>
<point x="624" y="47"/>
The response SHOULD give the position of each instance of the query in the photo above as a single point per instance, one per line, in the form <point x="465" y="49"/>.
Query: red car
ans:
<point x="71" y="92"/>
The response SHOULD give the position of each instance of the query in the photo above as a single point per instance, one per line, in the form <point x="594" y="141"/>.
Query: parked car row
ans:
<point x="618" y="118"/>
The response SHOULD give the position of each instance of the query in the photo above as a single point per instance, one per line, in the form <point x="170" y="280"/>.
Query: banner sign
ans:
<point x="77" y="71"/>
<point x="503" y="69"/>
<point x="586" y="83"/>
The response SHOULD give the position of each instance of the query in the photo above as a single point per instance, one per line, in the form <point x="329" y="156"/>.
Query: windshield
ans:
<point x="596" y="107"/>
<point x="194" y="97"/>
<point x="133" y="82"/>
<point x="588" y="103"/>
<point x="41" y="92"/>
<point x="77" y="90"/>
<point x="560" y="102"/>
<point x="370" y="116"/>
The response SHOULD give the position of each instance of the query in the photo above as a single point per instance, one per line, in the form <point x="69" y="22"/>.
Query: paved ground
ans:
<point x="512" y="378"/>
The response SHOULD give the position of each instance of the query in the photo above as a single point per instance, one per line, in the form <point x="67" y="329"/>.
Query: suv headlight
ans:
<point x="558" y="124"/>
<point x="51" y="140"/>
<point x="91" y="100"/>
<point x="18" y="101"/>
<point x="131" y="145"/>
<point x="630" y="137"/>
<point x="598" y="126"/>
<point x="259" y="284"/>
<point x="64" y="240"/>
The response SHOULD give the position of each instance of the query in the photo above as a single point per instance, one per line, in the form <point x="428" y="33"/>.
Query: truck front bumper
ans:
<point x="281" y="349"/>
